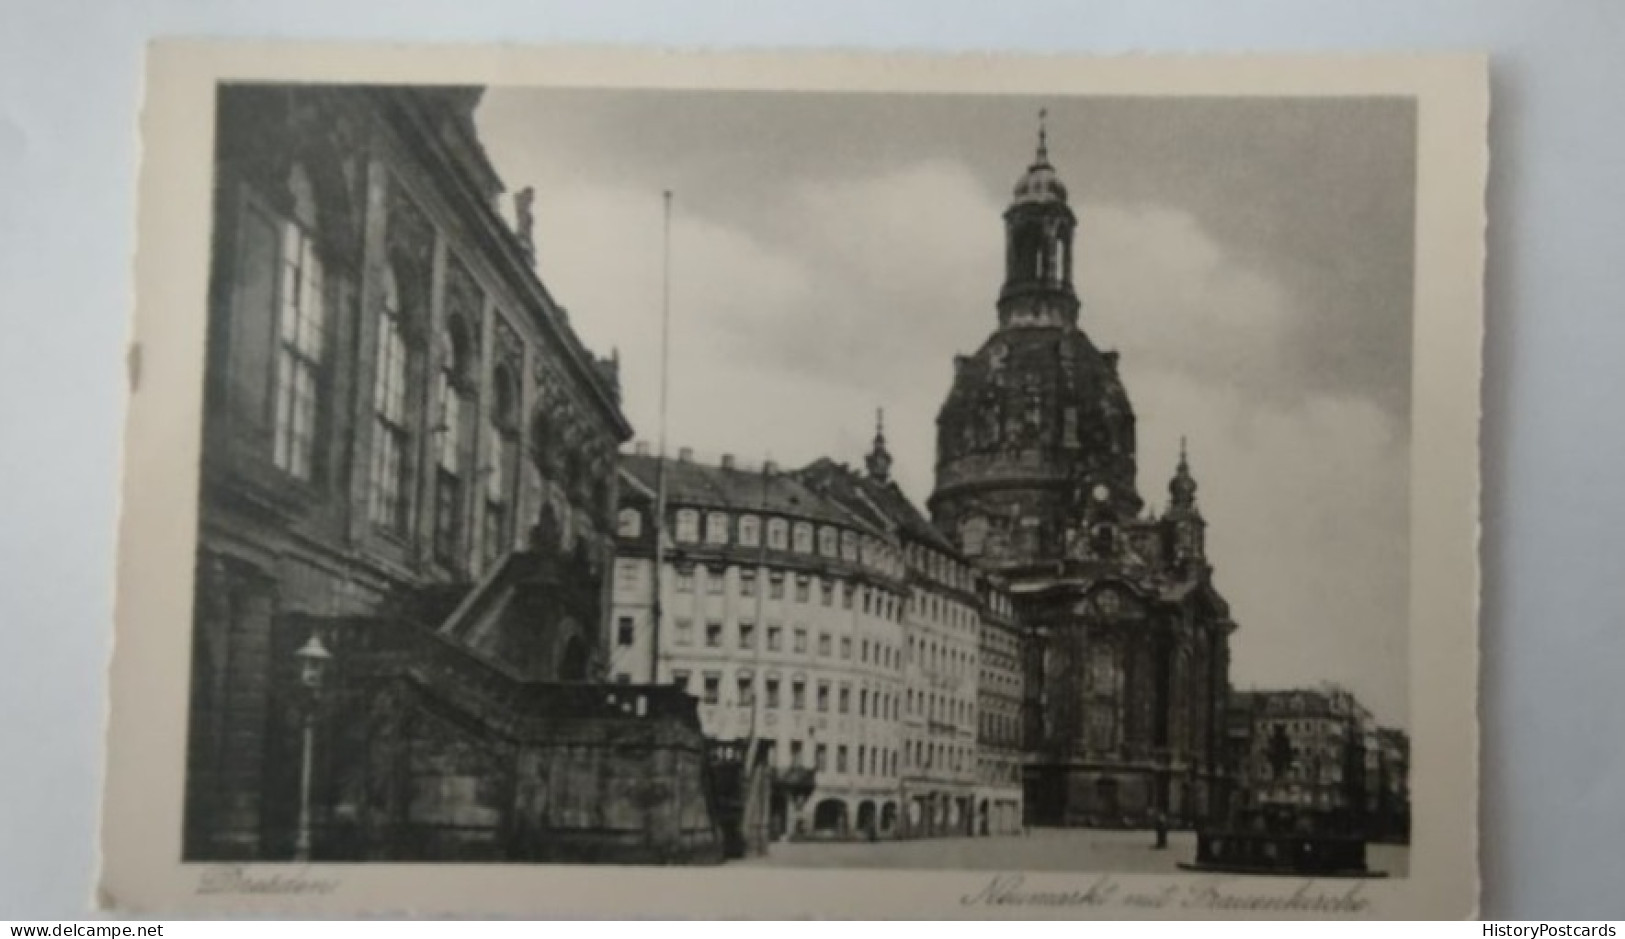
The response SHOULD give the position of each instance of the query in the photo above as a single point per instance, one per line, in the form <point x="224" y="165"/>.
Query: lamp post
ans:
<point x="313" y="661"/>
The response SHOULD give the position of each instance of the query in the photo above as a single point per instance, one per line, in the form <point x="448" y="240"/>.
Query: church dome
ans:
<point x="1039" y="185"/>
<point x="1037" y="425"/>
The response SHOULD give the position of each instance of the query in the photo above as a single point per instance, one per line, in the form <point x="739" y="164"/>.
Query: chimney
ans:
<point x="727" y="461"/>
<point x="641" y="447"/>
<point x="685" y="455"/>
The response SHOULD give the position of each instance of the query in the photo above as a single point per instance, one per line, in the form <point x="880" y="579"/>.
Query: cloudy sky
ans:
<point x="1251" y="260"/>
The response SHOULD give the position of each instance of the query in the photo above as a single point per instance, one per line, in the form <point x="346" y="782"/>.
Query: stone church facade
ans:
<point x="1126" y="651"/>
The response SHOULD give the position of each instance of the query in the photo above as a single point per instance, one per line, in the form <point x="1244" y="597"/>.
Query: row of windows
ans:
<point x="1001" y="771"/>
<point x="877" y="704"/>
<point x="781" y="535"/>
<point x="831" y="592"/>
<point x="942" y="709"/>
<point x="934" y="608"/>
<point x="940" y="566"/>
<point x="829" y="695"/>
<point x="742" y="636"/>
<point x="937" y="657"/>
<point x="1000" y="726"/>
<point x="869" y="761"/>
<point x="947" y="757"/>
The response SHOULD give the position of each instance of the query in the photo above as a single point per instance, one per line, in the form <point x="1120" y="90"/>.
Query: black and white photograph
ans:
<point x="749" y="480"/>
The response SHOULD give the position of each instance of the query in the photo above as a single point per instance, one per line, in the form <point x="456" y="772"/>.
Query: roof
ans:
<point x="718" y="487"/>
<point x="881" y="503"/>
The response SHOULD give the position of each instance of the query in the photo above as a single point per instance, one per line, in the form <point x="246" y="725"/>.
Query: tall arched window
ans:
<point x="452" y="384"/>
<point x="390" y="438"/>
<point x="500" y="468"/>
<point x="301" y="336"/>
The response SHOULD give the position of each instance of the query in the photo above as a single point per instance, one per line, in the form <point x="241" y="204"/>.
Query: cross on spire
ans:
<point x="1043" y="135"/>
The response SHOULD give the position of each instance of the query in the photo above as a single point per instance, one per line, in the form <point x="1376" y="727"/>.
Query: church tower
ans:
<point x="1187" y="530"/>
<point x="1125" y="641"/>
<point x="1038" y="229"/>
<point x="1035" y="443"/>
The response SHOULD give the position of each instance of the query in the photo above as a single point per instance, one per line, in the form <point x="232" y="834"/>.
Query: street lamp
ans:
<point x="313" y="661"/>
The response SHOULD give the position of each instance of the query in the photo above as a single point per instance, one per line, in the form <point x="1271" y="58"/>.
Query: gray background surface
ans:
<point x="1553" y="776"/>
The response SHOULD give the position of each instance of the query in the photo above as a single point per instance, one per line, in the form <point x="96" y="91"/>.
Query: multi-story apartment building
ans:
<point x="1302" y="750"/>
<point x="943" y="774"/>
<point x="782" y="612"/>
<point x="1388" y="794"/>
<point x="999" y="718"/>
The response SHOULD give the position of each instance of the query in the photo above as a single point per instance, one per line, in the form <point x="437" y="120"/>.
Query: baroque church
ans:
<point x="1127" y="659"/>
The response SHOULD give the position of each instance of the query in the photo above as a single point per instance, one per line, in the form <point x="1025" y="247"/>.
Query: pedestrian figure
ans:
<point x="1161" y="821"/>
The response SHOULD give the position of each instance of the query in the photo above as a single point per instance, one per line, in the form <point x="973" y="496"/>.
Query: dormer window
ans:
<point x="750" y="531"/>
<point x="688" y="525"/>
<point x="716" y="528"/>
<point x="629" y="523"/>
<point x="778" y="534"/>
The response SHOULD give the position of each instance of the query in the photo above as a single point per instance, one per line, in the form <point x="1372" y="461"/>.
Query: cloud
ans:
<point x="851" y="293"/>
<point x="1159" y="288"/>
<point x="1307" y="504"/>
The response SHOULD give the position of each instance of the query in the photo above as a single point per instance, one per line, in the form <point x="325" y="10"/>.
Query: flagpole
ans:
<point x="761" y="626"/>
<point x="660" y="459"/>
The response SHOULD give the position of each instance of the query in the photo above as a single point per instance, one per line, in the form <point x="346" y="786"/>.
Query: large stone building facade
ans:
<point x="1126" y="650"/>
<point x="781" y="612"/>
<point x="955" y="778"/>
<point x="408" y="465"/>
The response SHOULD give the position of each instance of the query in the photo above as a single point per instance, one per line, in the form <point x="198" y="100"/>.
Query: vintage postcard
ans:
<point x="610" y="483"/>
